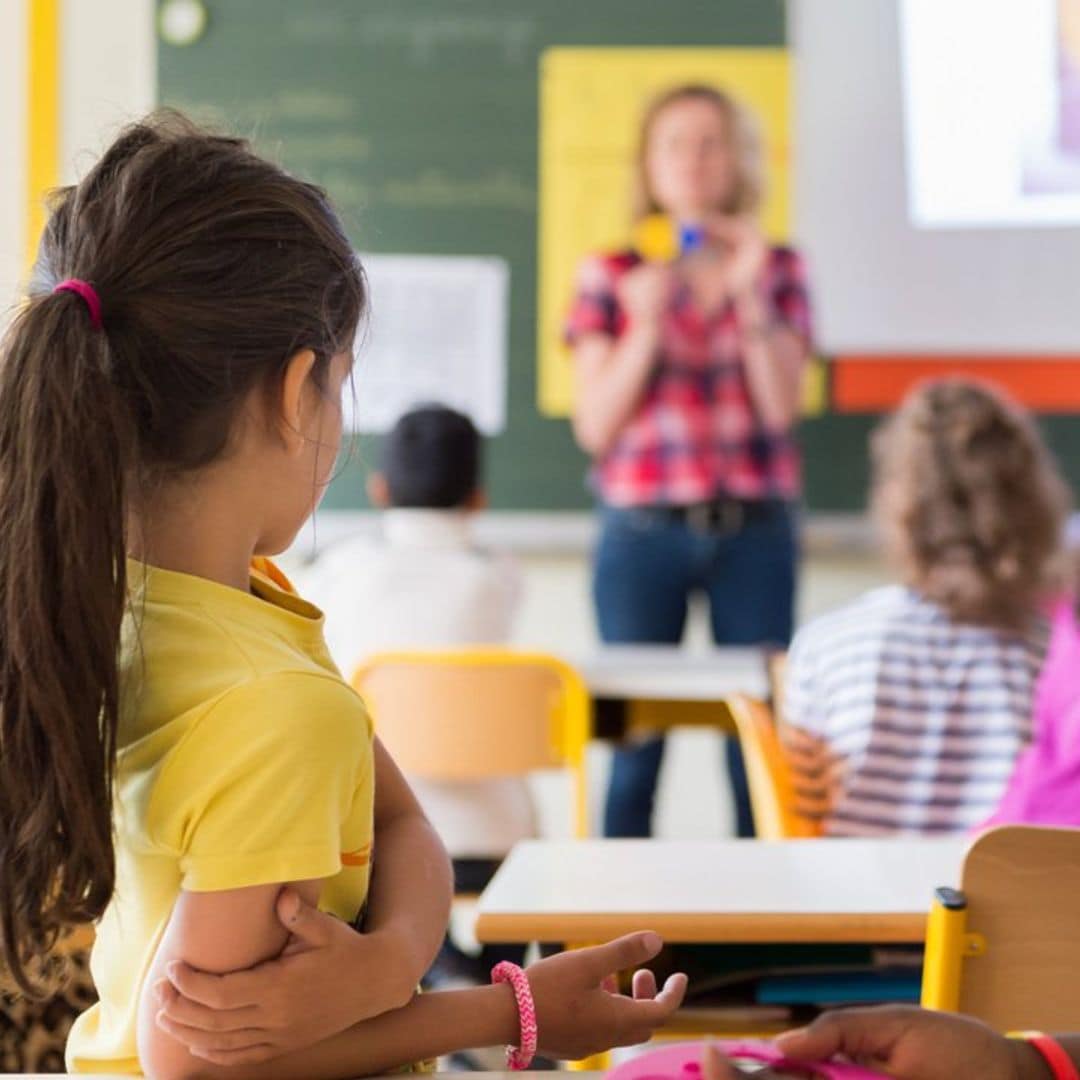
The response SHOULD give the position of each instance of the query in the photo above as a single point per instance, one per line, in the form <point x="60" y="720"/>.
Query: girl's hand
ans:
<point x="817" y="774"/>
<point x="646" y="291"/>
<point x="576" y="1016"/>
<point x="328" y="978"/>
<point x="912" y="1044"/>
<point x="714" y="1066"/>
<point x="747" y="253"/>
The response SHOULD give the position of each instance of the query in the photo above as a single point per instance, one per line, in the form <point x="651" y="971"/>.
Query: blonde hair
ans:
<point x="970" y="501"/>
<point x="744" y="135"/>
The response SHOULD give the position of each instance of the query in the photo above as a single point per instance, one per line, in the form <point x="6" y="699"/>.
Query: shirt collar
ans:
<point x="440" y="529"/>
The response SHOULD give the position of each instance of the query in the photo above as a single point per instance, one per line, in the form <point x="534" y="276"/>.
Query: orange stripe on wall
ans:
<point x="878" y="382"/>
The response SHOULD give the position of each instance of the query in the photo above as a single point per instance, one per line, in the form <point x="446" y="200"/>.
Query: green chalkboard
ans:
<point x="420" y="117"/>
<point x="838" y="464"/>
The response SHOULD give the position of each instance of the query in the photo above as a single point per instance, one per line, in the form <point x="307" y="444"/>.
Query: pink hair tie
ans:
<point x="89" y="295"/>
<point x="519" y="1057"/>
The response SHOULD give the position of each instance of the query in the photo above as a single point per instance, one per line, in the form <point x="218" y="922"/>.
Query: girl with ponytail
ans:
<point x="180" y="762"/>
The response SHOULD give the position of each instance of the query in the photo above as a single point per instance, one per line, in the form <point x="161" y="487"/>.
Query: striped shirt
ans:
<point x="929" y="715"/>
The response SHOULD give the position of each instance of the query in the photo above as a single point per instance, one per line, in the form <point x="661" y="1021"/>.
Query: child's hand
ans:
<point x="910" y="1044"/>
<point x="306" y="995"/>
<point x="576" y="1016"/>
<point x="816" y="772"/>
<point x="713" y="1065"/>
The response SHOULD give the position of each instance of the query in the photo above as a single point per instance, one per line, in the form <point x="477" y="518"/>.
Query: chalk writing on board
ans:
<point x="311" y="105"/>
<point x="423" y="35"/>
<point x="498" y="190"/>
<point x="316" y="148"/>
<point x="346" y="187"/>
<point x="215" y="117"/>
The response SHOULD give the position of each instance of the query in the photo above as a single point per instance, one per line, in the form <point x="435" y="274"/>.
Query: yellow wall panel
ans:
<point x="43" y="115"/>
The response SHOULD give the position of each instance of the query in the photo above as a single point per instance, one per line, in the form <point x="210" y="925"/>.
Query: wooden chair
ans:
<point x="771" y="793"/>
<point x="1005" y="947"/>
<point x="472" y="714"/>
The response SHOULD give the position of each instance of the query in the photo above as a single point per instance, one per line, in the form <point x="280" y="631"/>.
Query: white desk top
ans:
<point x="718" y="890"/>
<point x="670" y="673"/>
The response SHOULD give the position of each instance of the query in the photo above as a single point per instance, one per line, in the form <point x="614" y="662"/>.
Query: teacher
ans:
<point x="688" y="383"/>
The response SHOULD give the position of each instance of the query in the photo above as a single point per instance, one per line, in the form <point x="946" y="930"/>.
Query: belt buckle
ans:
<point x="731" y="516"/>
<point x="699" y="517"/>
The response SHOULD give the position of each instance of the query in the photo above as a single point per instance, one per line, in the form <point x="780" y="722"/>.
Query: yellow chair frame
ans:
<point x="767" y="773"/>
<point x="448" y="695"/>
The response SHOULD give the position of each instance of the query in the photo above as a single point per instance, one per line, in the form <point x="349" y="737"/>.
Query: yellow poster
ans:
<point x="591" y="102"/>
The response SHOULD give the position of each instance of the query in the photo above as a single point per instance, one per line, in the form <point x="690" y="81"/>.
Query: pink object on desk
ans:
<point x="683" y="1062"/>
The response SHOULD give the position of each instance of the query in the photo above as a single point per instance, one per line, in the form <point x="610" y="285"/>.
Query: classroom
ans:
<point x="540" y="536"/>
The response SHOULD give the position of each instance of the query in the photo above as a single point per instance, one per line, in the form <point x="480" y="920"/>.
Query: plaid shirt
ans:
<point x="695" y="435"/>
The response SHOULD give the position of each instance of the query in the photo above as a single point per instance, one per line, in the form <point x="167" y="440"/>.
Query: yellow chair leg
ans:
<point x="596" y="1063"/>
<point x="947" y="944"/>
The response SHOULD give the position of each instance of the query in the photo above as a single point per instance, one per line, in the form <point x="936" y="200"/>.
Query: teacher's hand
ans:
<point x="328" y="978"/>
<point x="645" y="292"/>
<point x="747" y="252"/>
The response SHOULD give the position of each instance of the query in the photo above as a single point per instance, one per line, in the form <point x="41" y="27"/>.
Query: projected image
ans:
<point x="992" y="111"/>
<point x="1052" y="160"/>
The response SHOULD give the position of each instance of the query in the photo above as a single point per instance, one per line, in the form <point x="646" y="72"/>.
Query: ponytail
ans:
<point x="65" y="453"/>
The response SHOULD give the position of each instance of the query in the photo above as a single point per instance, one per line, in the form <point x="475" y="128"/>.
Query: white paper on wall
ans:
<point x="436" y="332"/>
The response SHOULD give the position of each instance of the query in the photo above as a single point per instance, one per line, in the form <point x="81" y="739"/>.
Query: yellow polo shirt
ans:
<point x="244" y="759"/>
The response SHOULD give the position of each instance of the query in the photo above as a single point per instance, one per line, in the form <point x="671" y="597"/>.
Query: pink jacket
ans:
<point x="1045" y="787"/>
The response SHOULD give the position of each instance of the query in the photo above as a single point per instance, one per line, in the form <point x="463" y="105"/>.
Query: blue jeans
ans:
<point x="647" y="565"/>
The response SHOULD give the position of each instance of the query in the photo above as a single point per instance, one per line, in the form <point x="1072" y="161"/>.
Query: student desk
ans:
<point x="718" y="891"/>
<point x="661" y="686"/>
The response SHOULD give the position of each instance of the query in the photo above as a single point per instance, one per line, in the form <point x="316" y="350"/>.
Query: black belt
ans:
<point x="723" y="515"/>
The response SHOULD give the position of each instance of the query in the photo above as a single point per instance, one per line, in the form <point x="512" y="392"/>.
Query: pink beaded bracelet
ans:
<point x="519" y="1057"/>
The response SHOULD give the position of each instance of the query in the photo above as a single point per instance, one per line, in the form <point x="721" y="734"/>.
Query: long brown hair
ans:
<point x="743" y="131"/>
<point x="213" y="267"/>
<point x="970" y="501"/>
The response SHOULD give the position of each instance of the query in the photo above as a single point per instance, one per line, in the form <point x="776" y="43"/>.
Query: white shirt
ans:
<point x="929" y="715"/>
<point x="425" y="585"/>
